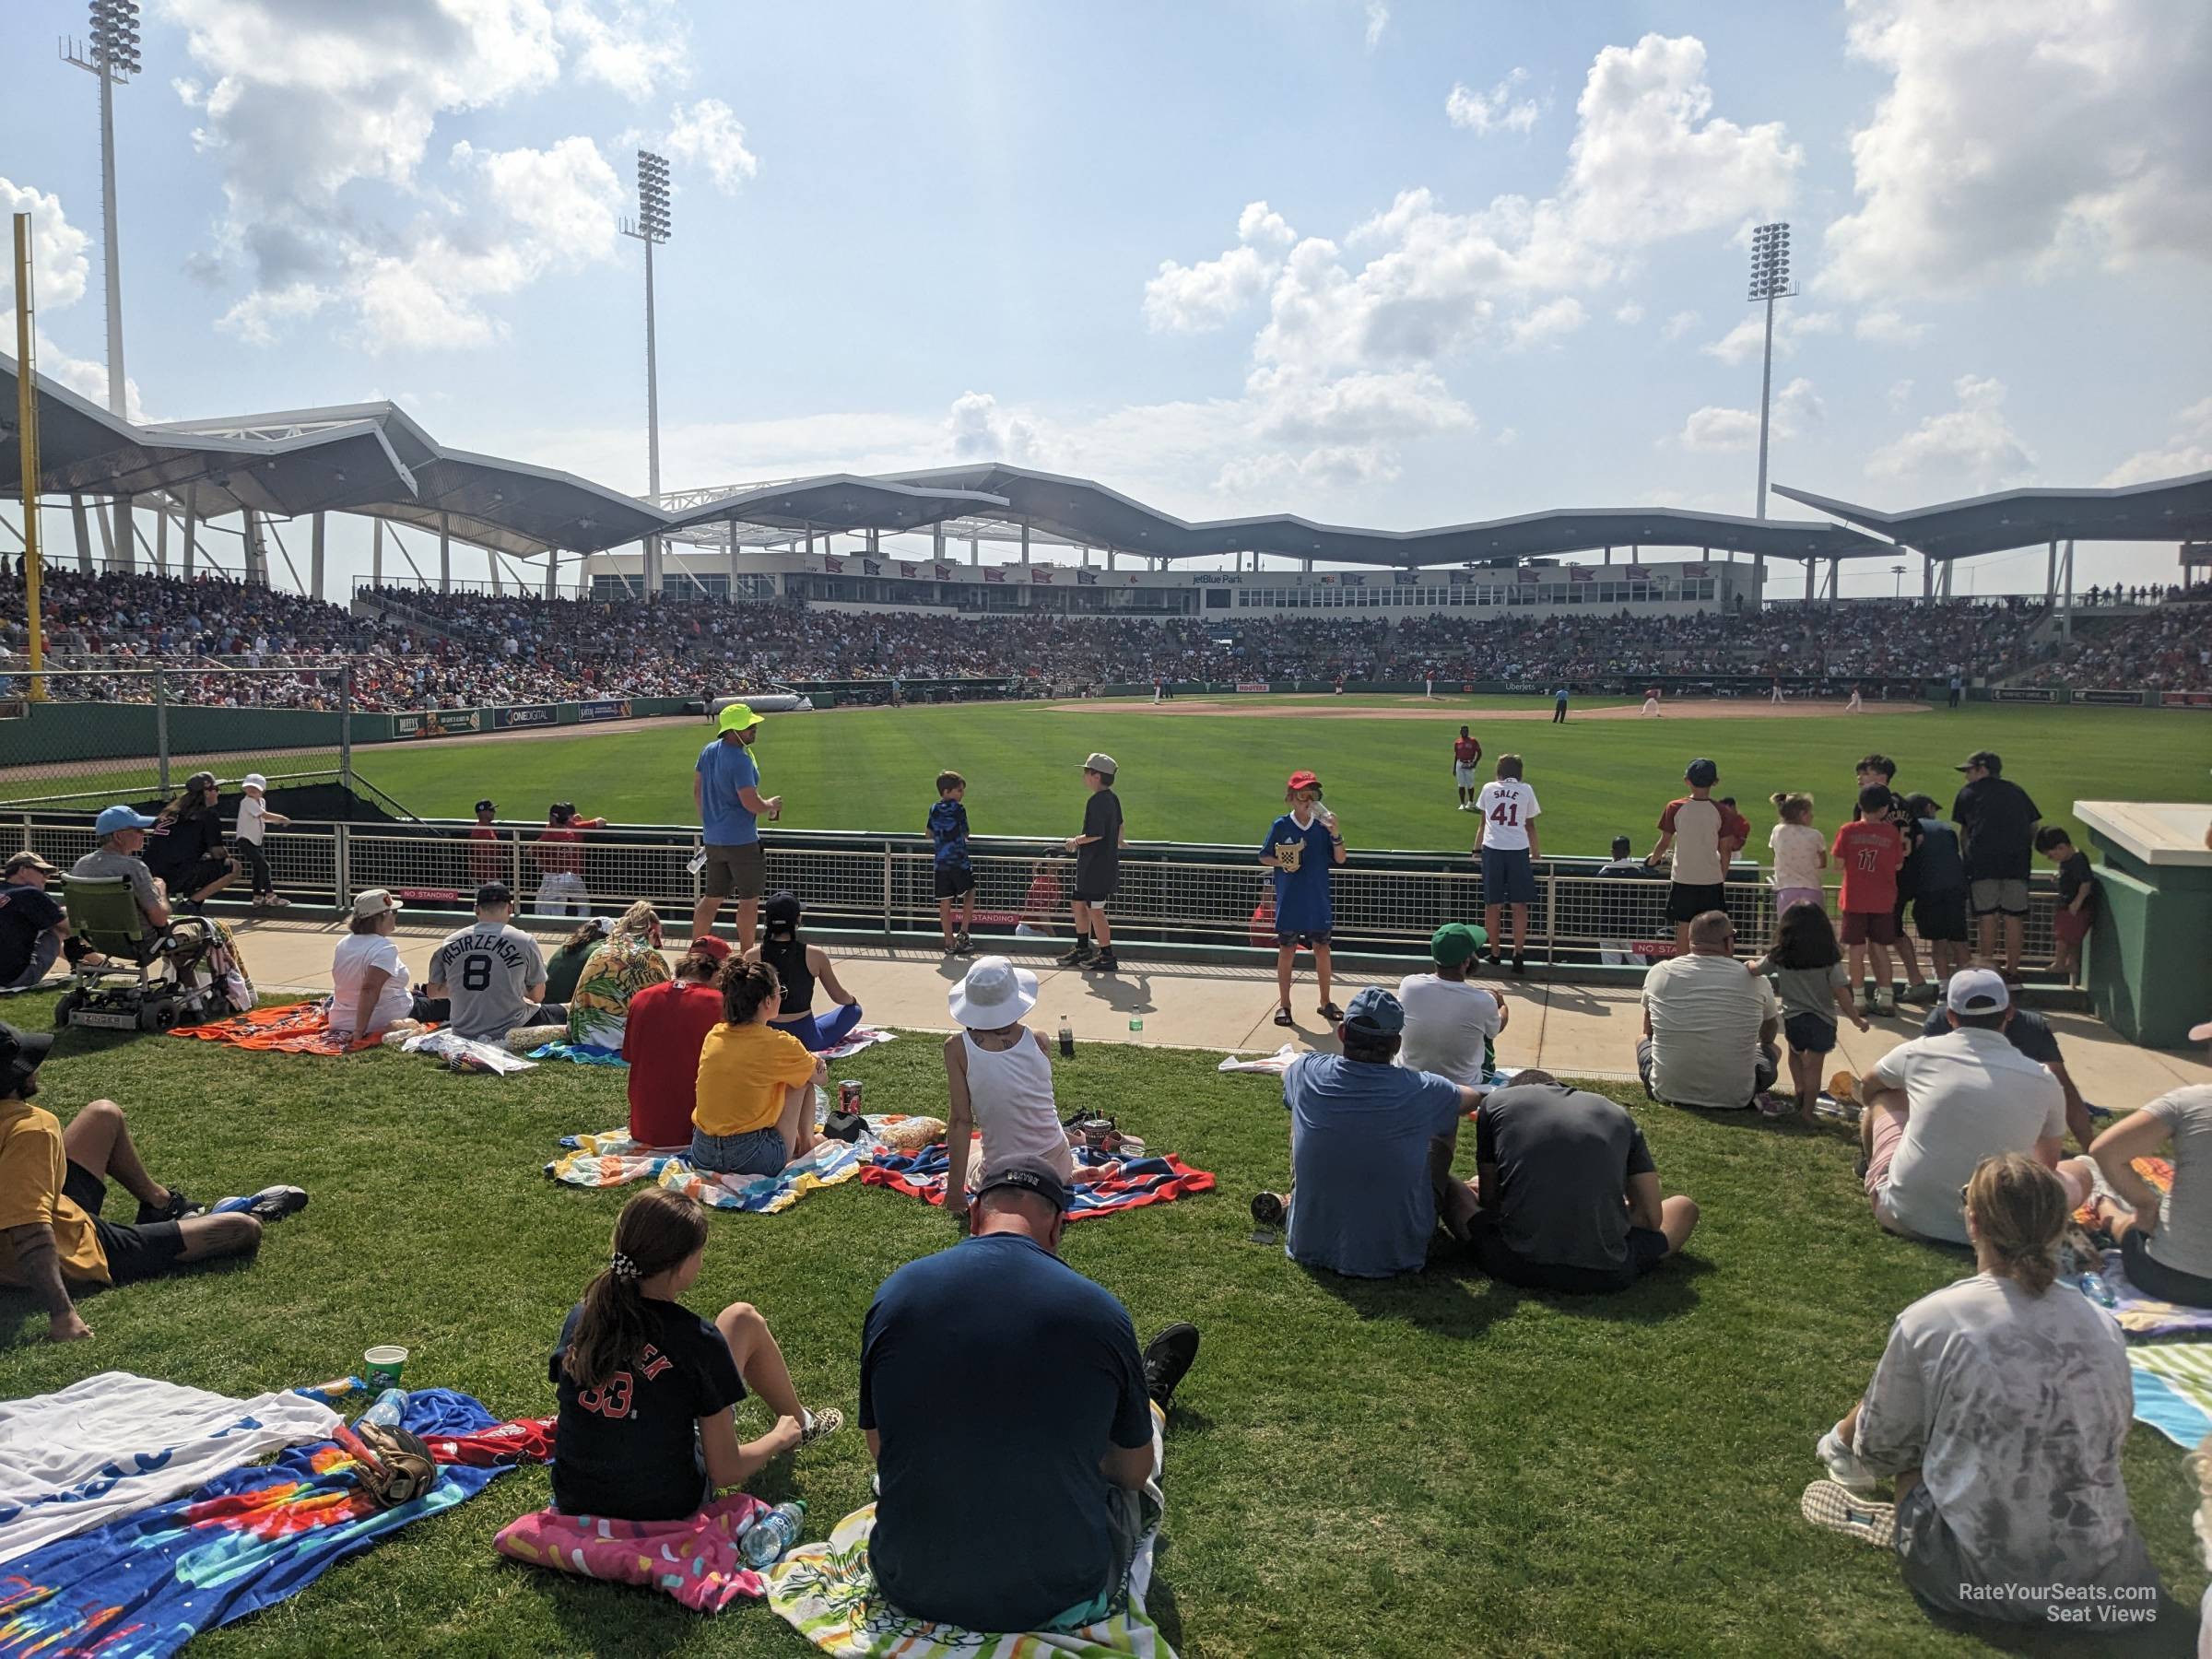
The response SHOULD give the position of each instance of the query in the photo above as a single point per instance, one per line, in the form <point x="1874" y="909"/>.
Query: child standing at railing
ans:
<point x="1800" y="853"/>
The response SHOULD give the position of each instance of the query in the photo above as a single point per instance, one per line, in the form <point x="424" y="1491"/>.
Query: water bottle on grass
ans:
<point x="764" y="1542"/>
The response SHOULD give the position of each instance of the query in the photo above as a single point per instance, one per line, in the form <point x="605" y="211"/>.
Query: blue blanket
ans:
<point x="148" y="1584"/>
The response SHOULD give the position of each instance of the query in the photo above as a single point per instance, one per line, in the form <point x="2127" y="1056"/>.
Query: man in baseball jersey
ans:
<point x="1703" y="835"/>
<point x="1505" y="839"/>
<point x="1856" y="705"/>
<point x="490" y="976"/>
<point x="1651" y="704"/>
<point x="1466" y="754"/>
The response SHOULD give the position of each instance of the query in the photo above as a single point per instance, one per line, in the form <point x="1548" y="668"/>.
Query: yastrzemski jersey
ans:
<point x="487" y="972"/>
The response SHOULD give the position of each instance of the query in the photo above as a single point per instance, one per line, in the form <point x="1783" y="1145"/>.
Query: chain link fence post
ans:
<point x="161" y="728"/>
<point x="342" y="864"/>
<point x="345" y="732"/>
<point x="886" y="889"/>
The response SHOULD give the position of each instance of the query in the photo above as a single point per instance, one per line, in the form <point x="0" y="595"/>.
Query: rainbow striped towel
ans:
<point x="2173" y="1389"/>
<point x="613" y="1160"/>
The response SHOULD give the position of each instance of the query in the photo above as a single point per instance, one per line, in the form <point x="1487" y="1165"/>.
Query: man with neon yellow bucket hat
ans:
<point x="725" y="787"/>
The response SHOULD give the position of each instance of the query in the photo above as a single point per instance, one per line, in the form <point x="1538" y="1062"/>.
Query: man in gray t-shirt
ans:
<point x="490" y="976"/>
<point x="122" y="834"/>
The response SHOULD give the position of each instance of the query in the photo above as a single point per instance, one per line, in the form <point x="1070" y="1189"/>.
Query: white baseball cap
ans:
<point x="994" y="993"/>
<point x="1977" y="991"/>
<point x="375" y="902"/>
<point x="253" y="781"/>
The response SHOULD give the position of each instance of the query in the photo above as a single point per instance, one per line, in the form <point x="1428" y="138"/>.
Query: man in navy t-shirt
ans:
<point x="1014" y="1424"/>
<point x="33" y="924"/>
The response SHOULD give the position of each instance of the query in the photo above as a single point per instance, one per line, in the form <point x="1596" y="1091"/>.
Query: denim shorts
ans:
<point x="755" y="1152"/>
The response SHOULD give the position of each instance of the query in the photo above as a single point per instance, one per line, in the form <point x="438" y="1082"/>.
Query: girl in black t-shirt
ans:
<point x="649" y="1390"/>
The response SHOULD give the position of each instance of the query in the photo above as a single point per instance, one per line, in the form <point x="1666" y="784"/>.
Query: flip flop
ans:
<point x="1283" y="1018"/>
<point x="1837" y="1508"/>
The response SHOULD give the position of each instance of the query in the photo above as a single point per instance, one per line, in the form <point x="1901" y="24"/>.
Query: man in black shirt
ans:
<point x="1097" y="865"/>
<point x="32" y="927"/>
<point x="1997" y="825"/>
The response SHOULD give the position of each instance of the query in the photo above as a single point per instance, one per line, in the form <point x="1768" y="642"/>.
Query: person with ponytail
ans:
<point x="1999" y="1408"/>
<point x="799" y="968"/>
<point x="649" y="1390"/>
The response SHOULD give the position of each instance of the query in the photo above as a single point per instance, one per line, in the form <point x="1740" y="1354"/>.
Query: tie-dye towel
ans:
<point x="1105" y="1184"/>
<point x="294" y="1028"/>
<point x="694" y="1559"/>
<point x="827" y="1594"/>
<point x="2173" y="1389"/>
<point x="613" y="1160"/>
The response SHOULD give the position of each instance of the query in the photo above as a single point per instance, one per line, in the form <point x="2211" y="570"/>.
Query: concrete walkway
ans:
<point x="1573" y="1030"/>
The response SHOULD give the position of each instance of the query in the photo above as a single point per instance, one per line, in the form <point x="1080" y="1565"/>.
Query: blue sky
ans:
<point x="1389" y="264"/>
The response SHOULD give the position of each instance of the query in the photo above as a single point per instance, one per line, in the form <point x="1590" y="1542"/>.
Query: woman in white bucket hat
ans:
<point x="998" y="1075"/>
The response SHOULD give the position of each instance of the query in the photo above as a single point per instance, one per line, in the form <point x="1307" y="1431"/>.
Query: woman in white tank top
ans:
<point x="998" y="1075"/>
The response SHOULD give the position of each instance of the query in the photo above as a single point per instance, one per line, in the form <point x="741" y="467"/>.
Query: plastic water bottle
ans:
<point x="1067" y="1038"/>
<point x="763" y="1543"/>
<point x="390" y="1408"/>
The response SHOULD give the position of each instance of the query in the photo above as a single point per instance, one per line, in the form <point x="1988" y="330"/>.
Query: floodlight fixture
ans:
<point x="1770" y="282"/>
<point x="651" y="226"/>
<point x="111" y="51"/>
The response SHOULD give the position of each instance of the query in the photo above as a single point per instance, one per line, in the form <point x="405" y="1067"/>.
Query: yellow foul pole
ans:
<point x="27" y="439"/>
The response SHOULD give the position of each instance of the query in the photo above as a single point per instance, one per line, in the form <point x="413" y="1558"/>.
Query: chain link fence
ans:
<point x="127" y="730"/>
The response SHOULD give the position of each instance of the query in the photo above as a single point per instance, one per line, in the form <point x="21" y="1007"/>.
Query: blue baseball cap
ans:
<point x="116" y="818"/>
<point x="1374" y="1012"/>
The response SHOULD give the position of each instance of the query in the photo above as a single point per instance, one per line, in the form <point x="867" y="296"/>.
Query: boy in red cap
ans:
<point x="1301" y="848"/>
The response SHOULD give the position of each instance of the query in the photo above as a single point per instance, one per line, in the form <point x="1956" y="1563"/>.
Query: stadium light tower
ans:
<point x="649" y="227"/>
<point x="112" y="53"/>
<point x="1770" y="282"/>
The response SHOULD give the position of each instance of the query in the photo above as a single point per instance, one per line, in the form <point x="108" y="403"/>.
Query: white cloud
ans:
<point x="1681" y="323"/>
<point x="709" y="133"/>
<point x="61" y="269"/>
<point x="1492" y="111"/>
<point x="979" y="429"/>
<point x="1968" y="447"/>
<point x="1366" y="407"/>
<point x="1189" y="299"/>
<point x="632" y="45"/>
<point x="2188" y="449"/>
<point x="1631" y="313"/>
<point x="1547" y="323"/>
<point x="1715" y="427"/>
<point x="1378" y="19"/>
<point x="1886" y="328"/>
<point x="2035" y="132"/>
<point x="1900" y="394"/>
<point x="1747" y="338"/>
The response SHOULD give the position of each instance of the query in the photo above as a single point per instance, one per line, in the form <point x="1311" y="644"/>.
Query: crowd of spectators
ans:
<point x="416" y="649"/>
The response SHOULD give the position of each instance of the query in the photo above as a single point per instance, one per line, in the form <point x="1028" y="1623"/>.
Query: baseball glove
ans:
<point x="400" y="1467"/>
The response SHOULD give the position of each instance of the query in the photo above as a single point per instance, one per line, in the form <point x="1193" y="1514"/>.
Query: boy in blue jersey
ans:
<point x="1301" y="848"/>
<point x="956" y="876"/>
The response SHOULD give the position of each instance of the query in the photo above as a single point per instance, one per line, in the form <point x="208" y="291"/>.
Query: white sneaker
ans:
<point x="1845" y="1467"/>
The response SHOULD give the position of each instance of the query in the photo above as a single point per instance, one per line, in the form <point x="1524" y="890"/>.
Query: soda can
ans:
<point x="848" y="1095"/>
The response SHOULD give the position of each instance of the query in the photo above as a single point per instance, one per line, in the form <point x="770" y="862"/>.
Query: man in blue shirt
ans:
<point x="1015" y="1426"/>
<point x="1370" y="1152"/>
<point x="726" y="789"/>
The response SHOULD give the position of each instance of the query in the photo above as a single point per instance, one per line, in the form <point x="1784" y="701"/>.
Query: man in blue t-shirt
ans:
<point x="726" y="789"/>
<point x="1015" y="1426"/>
<point x="1370" y="1152"/>
<point x="33" y="927"/>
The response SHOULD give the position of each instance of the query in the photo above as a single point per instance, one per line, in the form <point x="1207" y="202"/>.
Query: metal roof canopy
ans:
<point x="840" y="502"/>
<point x="2166" y="510"/>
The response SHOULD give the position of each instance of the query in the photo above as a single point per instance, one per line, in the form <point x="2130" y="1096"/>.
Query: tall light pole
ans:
<point x="649" y="227"/>
<point x="1896" y="588"/>
<point x="112" y="53"/>
<point x="1770" y="282"/>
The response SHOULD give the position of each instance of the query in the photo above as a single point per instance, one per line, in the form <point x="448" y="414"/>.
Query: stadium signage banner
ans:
<point x="2109" y="696"/>
<point x="2022" y="694"/>
<point x="609" y="708"/>
<point x="1204" y="578"/>
<point x="1252" y="685"/>
<point x="534" y="714"/>
<point x="2185" y="700"/>
<point x="437" y="722"/>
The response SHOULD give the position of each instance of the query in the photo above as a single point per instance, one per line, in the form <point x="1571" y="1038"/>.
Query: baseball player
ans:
<point x="1651" y="704"/>
<point x="1856" y="705"/>
<point x="1466" y="755"/>
<point x="1776" y="695"/>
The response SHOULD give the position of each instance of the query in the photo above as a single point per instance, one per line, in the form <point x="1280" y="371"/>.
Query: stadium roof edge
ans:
<point x="2162" y="509"/>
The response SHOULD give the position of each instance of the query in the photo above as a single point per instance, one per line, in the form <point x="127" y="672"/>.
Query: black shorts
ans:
<point x="1308" y="940"/>
<point x="1647" y="1249"/>
<point x="1687" y="903"/>
<point x="133" y="1253"/>
<point x="953" y="880"/>
<point x="1810" y="1033"/>
<point x="184" y="883"/>
<point x="2153" y="1277"/>
<point x="1093" y="890"/>
<point x="1940" y="918"/>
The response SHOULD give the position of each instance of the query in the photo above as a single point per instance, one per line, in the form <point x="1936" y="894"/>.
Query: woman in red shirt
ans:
<point x="668" y="1025"/>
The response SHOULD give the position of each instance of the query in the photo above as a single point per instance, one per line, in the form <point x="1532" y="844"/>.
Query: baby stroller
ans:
<point x="154" y="978"/>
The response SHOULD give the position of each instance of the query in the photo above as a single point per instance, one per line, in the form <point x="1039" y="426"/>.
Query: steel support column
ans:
<point x="315" y="549"/>
<point x="445" y="555"/>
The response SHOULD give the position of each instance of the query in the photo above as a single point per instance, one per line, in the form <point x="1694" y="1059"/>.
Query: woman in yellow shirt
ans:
<point x="755" y="1111"/>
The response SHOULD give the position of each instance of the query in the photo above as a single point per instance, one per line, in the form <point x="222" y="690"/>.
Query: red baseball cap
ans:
<point x="1303" y="780"/>
<point x="709" y="945"/>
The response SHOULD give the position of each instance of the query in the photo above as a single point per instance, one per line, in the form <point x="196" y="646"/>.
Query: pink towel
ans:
<point x="694" y="1559"/>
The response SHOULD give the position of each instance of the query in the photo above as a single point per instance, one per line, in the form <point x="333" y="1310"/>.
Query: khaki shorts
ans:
<point x="735" y="872"/>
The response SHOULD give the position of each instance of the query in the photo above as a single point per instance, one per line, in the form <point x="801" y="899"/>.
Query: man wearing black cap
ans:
<point x="489" y="977"/>
<point x="1996" y="821"/>
<point x="1014" y="1424"/>
<point x="53" y="1182"/>
<point x="1703" y="834"/>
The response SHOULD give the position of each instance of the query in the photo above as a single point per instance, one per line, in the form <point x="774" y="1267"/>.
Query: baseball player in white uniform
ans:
<point x="1651" y="703"/>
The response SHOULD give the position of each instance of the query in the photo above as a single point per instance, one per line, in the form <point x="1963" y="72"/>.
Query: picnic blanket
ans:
<point x="146" y="1584"/>
<point x="2173" y="1389"/>
<point x="2139" y="1316"/>
<point x="1131" y="1184"/>
<point x="827" y="1594"/>
<point x="588" y="1053"/>
<point x="694" y="1559"/>
<point x="859" y="1038"/>
<point x="613" y="1160"/>
<point x="293" y="1028"/>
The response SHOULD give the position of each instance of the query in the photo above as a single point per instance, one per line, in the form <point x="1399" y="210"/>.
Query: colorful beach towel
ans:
<point x="578" y="1053"/>
<point x="246" y="1540"/>
<point x="859" y="1038"/>
<point x="2173" y="1389"/>
<point x="694" y="1559"/>
<point x="293" y="1028"/>
<point x="827" y="1594"/>
<point x="2159" y="1171"/>
<point x="1132" y="1183"/>
<point x="613" y="1160"/>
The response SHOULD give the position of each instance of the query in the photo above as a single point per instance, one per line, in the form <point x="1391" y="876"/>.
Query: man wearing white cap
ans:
<point x="255" y="819"/>
<point x="725" y="787"/>
<point x="2165" y="1239"/>
<point x="1937" y="1106"/>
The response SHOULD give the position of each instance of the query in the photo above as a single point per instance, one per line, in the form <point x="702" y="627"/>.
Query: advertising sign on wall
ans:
<point x="533" y="714"/>
<point x="437" y="722"/>
<point x="2022" y="694"/>
<point x="2111" y="695"/>
<point x="609" y="708"/>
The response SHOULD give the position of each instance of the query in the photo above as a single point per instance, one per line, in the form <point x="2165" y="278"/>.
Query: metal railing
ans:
<point x="1169" y="892"/>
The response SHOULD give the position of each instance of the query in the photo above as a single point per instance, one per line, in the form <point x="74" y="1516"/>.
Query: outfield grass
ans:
<point x="1437" y="1465"/>
<point x="1202" y="778"/>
